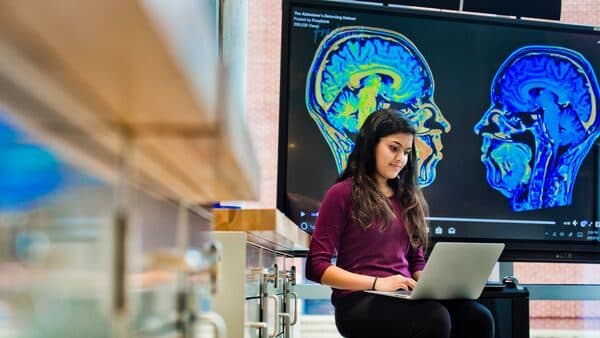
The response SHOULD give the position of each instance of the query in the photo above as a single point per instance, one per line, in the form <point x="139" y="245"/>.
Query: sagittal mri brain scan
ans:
<point x="541" y="124"/>
<point x="357" y="70"/>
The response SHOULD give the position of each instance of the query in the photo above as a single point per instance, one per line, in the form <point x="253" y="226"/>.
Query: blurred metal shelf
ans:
<point x="100" y="81"/>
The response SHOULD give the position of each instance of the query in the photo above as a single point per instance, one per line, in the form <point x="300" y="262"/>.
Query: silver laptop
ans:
<point x="453" y="271"/>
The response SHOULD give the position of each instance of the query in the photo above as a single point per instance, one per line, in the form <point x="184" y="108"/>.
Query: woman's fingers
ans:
<point x="408" y="283"/>
<point x="396" y="282"/>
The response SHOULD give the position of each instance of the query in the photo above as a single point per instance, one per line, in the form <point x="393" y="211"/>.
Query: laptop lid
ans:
<point x="457" y="270"/>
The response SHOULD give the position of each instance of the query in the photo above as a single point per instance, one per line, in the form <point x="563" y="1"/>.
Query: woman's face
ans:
<point x="391" y="155"/>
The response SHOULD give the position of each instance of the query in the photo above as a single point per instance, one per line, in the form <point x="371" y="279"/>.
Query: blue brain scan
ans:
<point x="540" y="126"/>
<point x="357" y="70"/>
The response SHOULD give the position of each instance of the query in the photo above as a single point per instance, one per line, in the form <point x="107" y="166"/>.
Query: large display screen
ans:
<point x="506" y="112"/>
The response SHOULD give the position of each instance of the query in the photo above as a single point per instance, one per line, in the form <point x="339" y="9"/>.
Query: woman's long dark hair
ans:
<point x="371" y="206"/>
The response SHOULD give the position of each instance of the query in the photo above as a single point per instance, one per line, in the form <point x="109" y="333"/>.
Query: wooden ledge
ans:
<point x="266" y="227"/>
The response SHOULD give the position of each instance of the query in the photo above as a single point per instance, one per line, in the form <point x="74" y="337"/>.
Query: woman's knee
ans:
<point x="470" y="319"/>
<point x="482" y="320"/>
<point x="436" y="323"/>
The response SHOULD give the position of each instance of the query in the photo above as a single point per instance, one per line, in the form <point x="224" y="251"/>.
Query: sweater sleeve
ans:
<point x="416" y="259"/>
<point x="324" y="243"/>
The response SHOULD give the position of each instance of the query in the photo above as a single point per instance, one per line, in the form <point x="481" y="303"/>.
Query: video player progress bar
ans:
<point x="489" y="220"/>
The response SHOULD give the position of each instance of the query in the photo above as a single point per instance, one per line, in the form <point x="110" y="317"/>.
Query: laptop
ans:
<point x="454" y="270"/>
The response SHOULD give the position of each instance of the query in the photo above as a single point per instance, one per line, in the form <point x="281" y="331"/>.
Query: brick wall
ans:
<point x="263" y="108"/>
<point x="264" y="50"/>
<point x="584" y="12"/>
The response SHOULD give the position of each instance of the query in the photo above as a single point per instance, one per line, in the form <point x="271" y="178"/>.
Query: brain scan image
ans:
<point x="357" y="70"/>
<point x="541" y="124"/>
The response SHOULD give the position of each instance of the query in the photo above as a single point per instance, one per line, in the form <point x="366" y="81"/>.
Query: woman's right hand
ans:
<point x="395" y="282"/>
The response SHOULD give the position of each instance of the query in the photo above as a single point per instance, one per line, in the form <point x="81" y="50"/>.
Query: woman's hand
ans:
<point x="395" y="282"/>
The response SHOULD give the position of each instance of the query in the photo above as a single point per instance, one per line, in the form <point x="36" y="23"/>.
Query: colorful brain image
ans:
<point x="357" y="70"/>
<point x="540" y="126"/>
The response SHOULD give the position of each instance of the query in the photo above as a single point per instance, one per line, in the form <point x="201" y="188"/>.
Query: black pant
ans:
<point x="366" y="315"/>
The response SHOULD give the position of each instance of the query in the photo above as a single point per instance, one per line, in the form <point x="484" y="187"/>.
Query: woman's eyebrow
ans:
<point x="401" y="146"/>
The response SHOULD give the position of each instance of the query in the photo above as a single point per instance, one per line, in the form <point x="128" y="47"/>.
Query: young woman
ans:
<point x="374" y="219"/>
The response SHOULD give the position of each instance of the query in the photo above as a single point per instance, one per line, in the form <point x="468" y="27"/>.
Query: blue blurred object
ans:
<point x="8" y="134"/>
<point x="225" y="205"/>
<point x="28" y="172"/>
<point x="318" y="307"/>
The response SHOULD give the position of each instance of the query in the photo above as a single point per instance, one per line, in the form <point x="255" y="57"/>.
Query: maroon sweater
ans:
<point x="368" y="252"/>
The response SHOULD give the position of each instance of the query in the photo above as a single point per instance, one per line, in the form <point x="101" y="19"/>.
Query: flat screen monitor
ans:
<point x="506" y="110"/>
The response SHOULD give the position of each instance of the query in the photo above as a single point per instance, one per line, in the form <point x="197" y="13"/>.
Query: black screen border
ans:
<point x="515" y="250"/>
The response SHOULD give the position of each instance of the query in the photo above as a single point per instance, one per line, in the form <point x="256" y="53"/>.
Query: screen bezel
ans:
<point x="515" y="250"/>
